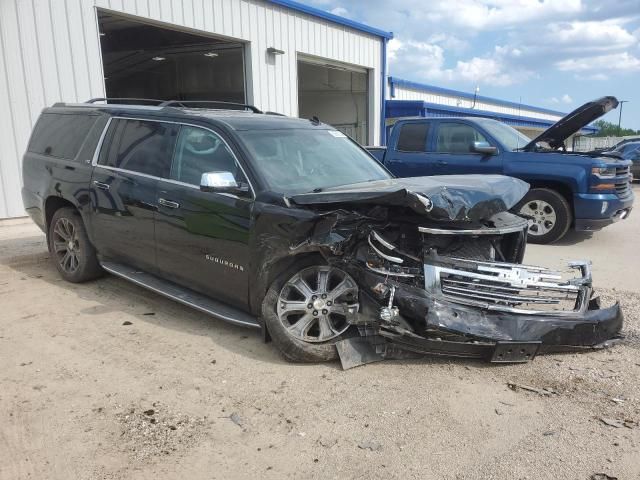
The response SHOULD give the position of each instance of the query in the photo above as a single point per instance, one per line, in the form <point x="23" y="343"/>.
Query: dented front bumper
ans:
<point x="498" y="312"/>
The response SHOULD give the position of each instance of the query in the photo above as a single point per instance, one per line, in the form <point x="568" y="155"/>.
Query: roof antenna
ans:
<point x="315" y="120"/>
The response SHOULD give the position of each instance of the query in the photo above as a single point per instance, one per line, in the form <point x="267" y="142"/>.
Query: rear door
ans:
<point x="409" y="157"/>
<point x="202" y="238"/>
<point x="134" y="155"/>
<point x="452" y="150"/>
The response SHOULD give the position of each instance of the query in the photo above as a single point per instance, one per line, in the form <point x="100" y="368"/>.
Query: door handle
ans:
<point x="101" y="186"/>
<point x="168" y="203"/>
<point x="442" y="163"/>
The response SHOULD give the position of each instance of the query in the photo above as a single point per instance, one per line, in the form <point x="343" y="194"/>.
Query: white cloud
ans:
<point x="588" y="36"/>
<point x="427" y="62"/>
<point x="607" y="63"/>
<point x="340" y="11"/>
<point x="563" y="99"/>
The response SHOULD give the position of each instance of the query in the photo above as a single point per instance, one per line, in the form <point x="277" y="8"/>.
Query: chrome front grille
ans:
<point x="622" y="171"/>
<point x="623" y="188"/>
<point x="509" y="287"/>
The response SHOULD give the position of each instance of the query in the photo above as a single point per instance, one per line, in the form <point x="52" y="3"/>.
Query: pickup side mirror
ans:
<point x="222" y="182"/>
<point x="483" y="147"/>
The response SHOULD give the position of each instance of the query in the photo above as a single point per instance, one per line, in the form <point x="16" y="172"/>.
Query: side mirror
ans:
<point x="484" y="147"/>
<point x="221" y="182"/>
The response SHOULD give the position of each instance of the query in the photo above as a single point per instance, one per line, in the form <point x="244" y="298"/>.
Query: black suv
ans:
<point x="288" y="225"/>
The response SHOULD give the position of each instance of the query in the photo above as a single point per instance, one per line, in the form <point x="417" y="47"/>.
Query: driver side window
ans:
<point x="457" y="138"/>
<point x="199" y="151"/>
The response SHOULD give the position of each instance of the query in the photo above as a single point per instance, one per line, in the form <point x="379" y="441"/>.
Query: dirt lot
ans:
<point x="108" y="381"/>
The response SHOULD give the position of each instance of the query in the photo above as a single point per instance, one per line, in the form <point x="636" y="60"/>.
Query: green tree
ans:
<point x="608" y="129"/>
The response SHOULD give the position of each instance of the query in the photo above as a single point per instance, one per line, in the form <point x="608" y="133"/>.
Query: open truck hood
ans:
<point x="582" y="116"/>
<point x="468" y="198"/>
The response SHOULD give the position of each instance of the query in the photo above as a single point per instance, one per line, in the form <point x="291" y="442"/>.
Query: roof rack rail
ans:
<point x="122" y="99"/>
<point x="185" y="103"/>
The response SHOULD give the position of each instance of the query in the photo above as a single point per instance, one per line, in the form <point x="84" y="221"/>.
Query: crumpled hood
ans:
<point x="582" y="116"/>
<point x="459" y="198"/>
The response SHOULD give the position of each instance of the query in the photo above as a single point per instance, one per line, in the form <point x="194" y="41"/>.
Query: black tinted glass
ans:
<point x="140" y="146"/>
<point x="457" y="138"/>
<point x="200" y="151"/>
<point x="413" y="137"/>
<point x="60" y="135"/>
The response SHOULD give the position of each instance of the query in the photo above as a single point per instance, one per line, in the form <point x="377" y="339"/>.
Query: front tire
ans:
<point x="306" y="312"/>
<point x="73" y="254"/>
<point x="550" y="212"/>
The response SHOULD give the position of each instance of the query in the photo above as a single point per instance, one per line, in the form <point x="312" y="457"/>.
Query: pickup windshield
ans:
<point x="509" y="137"/>
<point x="304" y="160"/>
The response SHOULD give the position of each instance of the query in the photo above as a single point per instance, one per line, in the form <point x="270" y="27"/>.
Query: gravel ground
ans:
<point x="108" y="381"/>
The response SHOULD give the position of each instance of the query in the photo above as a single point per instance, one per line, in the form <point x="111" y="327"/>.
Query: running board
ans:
<point x="183" y="295"/>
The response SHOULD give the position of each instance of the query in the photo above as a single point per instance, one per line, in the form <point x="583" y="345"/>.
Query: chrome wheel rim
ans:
<point x="313" y="306"/>
<point x="543" y="217"/>
<point x="66" y="245"/>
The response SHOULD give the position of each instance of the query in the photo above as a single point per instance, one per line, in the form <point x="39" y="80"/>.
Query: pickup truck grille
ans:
<point x="623" y="187"/>
<point x="508" y="287"/>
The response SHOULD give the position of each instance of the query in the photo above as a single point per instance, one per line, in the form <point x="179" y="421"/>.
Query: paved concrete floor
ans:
<point x="613" y="252"/>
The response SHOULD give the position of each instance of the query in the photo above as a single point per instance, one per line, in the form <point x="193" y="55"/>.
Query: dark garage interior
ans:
<point x="336" y="95"/>
<point x="142" y="60"/>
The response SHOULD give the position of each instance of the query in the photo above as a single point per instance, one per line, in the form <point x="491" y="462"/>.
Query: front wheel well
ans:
<point x="562" y="188"/>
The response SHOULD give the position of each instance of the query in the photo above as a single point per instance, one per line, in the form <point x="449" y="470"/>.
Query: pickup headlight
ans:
<point x="604" y="172"/>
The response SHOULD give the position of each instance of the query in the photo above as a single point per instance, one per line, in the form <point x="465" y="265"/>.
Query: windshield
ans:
<point x="299" y="161"/>
<point x="509" y="137"/>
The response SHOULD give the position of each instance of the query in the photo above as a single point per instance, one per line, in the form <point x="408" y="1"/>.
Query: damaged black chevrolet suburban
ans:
<point x="289" y="226"/>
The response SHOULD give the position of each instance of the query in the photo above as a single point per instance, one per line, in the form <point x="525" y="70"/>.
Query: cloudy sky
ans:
<point x="552" y="53"/>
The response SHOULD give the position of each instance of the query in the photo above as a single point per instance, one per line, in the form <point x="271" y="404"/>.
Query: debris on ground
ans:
<point x="127" y="322"/>
<point x="546" y="391"/>
<point x="235" y="418"/>
<point x="145" y="435"/>
<point x="602" y="476"/>
<point x="611" y="422"/>
<point x="370" y="445"/>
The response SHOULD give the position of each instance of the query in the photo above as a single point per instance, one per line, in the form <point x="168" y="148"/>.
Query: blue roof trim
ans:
<point x="404" y="108"/>
<point x="456" y="93"/>
<point x="316" y="12"/>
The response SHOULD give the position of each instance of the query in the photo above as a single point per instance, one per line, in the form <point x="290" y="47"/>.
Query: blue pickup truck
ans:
<point x="568" y="190"/>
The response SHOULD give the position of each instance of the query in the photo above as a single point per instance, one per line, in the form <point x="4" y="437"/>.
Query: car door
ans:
<point x="134" y="154"/>
<point x="202" y="238"/>
<point x="409" y="157"/>
<point x="453" y="151"/>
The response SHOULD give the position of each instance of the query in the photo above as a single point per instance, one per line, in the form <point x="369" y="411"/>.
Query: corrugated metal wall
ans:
<point x="50" y="52"/>
<point x="404" y="93"/>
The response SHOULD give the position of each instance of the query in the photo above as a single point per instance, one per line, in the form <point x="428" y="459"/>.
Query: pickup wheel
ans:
<point x="74" y="255"/>
<point x="550" y="212"/>
<point x="306" y="310"/>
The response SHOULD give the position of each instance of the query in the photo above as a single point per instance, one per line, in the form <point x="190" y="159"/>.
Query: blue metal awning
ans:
<point x="419" y="108"/>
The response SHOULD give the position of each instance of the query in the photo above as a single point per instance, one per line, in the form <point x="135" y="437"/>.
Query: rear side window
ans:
<point x="60" y="135"/>
<point x="413" y="137"/>
<point x="139" y="146"/>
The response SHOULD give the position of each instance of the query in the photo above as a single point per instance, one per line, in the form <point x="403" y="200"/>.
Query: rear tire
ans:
<point x="73" y="254"/>
<point x="551" y="215"/>
<point x="305" y="317"/>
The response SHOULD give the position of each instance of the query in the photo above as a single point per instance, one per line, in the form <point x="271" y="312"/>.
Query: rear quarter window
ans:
<point x="413" y="137"/>
<point x="60" y="135"/>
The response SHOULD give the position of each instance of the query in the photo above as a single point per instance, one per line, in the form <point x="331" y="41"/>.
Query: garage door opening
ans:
<point x="146" y="61"/>
<point x="336" y="95"/>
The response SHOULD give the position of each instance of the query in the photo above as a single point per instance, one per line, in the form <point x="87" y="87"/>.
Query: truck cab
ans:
<point x="568" y="190"/>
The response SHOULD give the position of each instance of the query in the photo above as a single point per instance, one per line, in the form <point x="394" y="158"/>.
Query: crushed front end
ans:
<point x="463" y="292"/>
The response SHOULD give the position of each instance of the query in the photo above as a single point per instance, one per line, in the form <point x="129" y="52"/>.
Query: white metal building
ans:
<point x="279" y="55"/>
